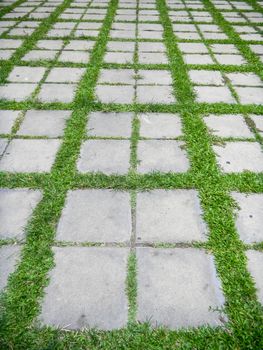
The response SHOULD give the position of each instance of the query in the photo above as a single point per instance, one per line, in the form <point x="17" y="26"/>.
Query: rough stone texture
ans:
<point x="161" y="155"/>
<point x="239" y="156"/>
<point x="44" y="123"/>
<point x="87" y="289"/>
<point x="110" y="124"/>
<point x="9" y="256"/>
<point x="26" y="74"/>
<point x="177" y="288"/>
<point x="228" y="126"/>
<point x="169" y="216"/>
<point x="16" y="208"/>
<point x="106" y="156"/>
<point x="7" y="119"/>
<point x="255" y="265"/>
<point x="16" y="92"/>
<point x="96" y="216"/>
<point x="249" y="220"/>
<point x="29" y="156"/>
<point x="57" y="93"/>
<point x="160" y="125"/>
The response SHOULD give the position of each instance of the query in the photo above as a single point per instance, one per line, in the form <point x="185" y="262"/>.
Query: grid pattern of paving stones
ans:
<point x="131" y="163"/>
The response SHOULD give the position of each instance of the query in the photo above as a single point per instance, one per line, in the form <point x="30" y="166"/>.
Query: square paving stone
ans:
<point x="6" y="54"/>
<point x="151" y="47"/>
<point x="258" y="120"/>
<point x="149" y="58"/>
<point x="82" y="45"/>
<point x="228" y="126"/>
<point x="109" y="124"/>
<point x="106" y="156"/>
<point x="3" y="145"/>
<point x="205" y="77"/>
<point x="255" y="265"/>
<point x="114" y="76"/>
<point x="26" y="74"/>
<point x="193" y="48"/>
<point x="7" y="119"/>
<point x="123" y="46"/>
<point x="155" y="94"/>
<point x="235" y="157"/>
<point x="36" y="55"/>
<point x="16" y="92"/>
<point x="29" y="156"/>
<point x="57" y="93"/>
<point x="158" y="77"/>
<point x="119" y="57"/>
<point x="115" y="93"/>
<point x="44" y="123"/>
<point x="10" y="43"/>
<point x="74" y="56"/>
<point x="96" y="216"/>
<point x="87" y="289"/>
<point x="230" y="59"/>
<point x="9" y="257"/>
<point x="244" y="79"/>
<point x="213" y="94"/>
<point x="169" y="216"/>
<point x="249" y="221"/>
<point x="198" y="59"/>
<point x="16" y="208"/>
<point x="162" y="156"/>
<point x="160" y="125"/>
<point x="65" y="75"/>
<point x="178" y="288"/>
<point x="250" y="95"/>
<point x="50" y="44"/>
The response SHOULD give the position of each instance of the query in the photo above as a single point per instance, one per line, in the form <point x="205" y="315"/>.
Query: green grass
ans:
<point x="20" y="304"/>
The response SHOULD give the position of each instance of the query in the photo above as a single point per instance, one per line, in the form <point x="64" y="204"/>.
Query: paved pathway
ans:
<point x="131" y="162"/>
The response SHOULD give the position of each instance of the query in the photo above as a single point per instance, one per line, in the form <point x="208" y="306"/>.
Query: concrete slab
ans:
<point x="173" y="216"/>
<point x="87" y="289"/>
<point x="7" y="119"/>
<point x="161" y="156"/>
<point x="235" y="157"/>
<point x="44" y="123"/>
<point x="9" y="257"/>
<point x="227" y="125"/>
<point x="95" y="216"/>
<point x="29" y="156"/>
<point x="57" y="93"/>
<point x="106" y="156"/>
<point x="249" y="220"/>
<point x="178" y="288"/>
<point x="255" y="265"/>
<point x="103" y="124"/>
<point x="16" y="208"/>
<point x="160" y="125"/>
